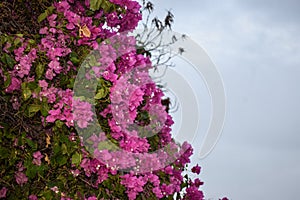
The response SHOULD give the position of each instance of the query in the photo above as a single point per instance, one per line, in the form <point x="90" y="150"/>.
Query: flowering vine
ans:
<point x="44" y="153"/>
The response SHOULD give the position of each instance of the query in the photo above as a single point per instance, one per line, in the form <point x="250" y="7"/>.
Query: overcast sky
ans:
<point x="256" y="47"/>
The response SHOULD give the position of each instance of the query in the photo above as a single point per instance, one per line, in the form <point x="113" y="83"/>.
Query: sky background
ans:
<point x="256" y="47"/>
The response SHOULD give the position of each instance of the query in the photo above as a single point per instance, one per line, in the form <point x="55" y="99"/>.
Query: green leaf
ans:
<point x="42" y="16"/>
<point x="76" y="158"/>
<point x="61" y="160"/>
<point x="8" y="79"/>
<point x="64" y="149"/>
<point x="92" y="61"/>
<point x="47" y="195"/>
<point x="71" y="83"/>
<point x="31" y="171"/>
<point x="32" y="85"/>
<point x="6" y="59"/>
<point x="33" y="108"/>
<point x="59" y="123"/>
<point x="106" y="6"/>
<point x="31" y="41"/>
<point x="17" y="41"/>
<point x="45" y="109"/>
<point x="45" y="14"/>
<point x="39" y="70"/>
<point x="100" y="94"/>
<point x="95" y="4"/>
<point x="26" y="93"/>
<point x="50" y="9"/>
<point x="19" y="35"/>
<point x="32" y="144"/>
<point x="62" y="178"/>
<point x="74" y="58"/>
<point x="56" y="148"/>
<point x="105" y="145"/>
<point x="4" y="153"/>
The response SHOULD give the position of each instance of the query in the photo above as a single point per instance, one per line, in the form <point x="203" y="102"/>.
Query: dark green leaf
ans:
<point x="31" y="170"/>
<point x="45" y="109"/>
<point x="32" y="144"/>
<point x="61" y="159"/>
<point x="64" y="149"/>
<point x="8" y="79"/>
<point x="6" y="59"/>
<point x="75" y="60"/>
<point x="32" y="85"/>
<point x="39" y="70"/>
<point x="56" y="148"/>
<point x="4" y="153"/>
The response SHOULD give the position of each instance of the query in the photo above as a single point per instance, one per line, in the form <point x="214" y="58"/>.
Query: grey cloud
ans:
<point x="256" y="46"/>
<point x="277" y="11"/>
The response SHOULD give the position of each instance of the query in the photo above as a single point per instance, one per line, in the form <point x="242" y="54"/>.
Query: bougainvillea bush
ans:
<point x="80" y="117"/>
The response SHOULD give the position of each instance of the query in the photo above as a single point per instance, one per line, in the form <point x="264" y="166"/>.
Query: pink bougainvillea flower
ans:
<point x="19" y="53"/>
<point x="224" y="198"/>
<point x="14" y="85"/>
<point x="55" y="189"/>
<point x="5" y="49"/>
<point x="192" y="193"/>
<point x="43" y="83"/>
<point x="32" y="54"/>
<point x="113" y="19"/>
<point x="197" y="182"/>
<point x="92" y="198"/>
<point x="82" y="112"/>
<point x="44" y="30"/>
<point x="37" y="158"/>
<point x="102" y="155"/>
<point x="55" y="65"/>
<point x="3" y="192"/>
<point x="157" y="192"/>
<point x="62" y="6"/>
<point x="32" y="197"/>
<point x="15" y="103"/>
<point x="20" y="166"/>
<point x="51" y="20"/>
<point x="49" y="74"/>
<point x="72" y="17"/>
<point x="70" y="26"/>
<point x="21" y="178"/>
<point x="134" y="184"/>
<point x="196" y="169"/>
<point x="53" y="115"/>
<point x="75" y="172"/>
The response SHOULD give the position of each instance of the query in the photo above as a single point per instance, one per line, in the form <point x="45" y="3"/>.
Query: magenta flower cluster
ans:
<point x="141" y="166"/>
<point x="127" y="94"/>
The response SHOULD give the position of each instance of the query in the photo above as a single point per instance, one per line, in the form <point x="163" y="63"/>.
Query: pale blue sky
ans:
<point x="256" y="47"/>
